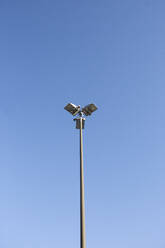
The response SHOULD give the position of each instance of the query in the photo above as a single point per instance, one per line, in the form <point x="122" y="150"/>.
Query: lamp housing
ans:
<point x="89" y="109"/>
<point x="72" y="108"/>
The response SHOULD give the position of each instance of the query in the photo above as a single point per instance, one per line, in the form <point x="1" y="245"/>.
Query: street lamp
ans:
<point x="80" y="123"/>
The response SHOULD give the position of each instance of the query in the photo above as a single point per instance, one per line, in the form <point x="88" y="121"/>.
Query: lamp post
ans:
<point x="80" y="123"/>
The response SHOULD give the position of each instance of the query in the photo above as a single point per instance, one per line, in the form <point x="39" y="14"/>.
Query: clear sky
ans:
<point x="111" y="53"/>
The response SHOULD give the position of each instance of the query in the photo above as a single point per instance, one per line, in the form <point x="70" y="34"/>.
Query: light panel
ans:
<point x="72" y="108"/>
<point x="89" y="109"/>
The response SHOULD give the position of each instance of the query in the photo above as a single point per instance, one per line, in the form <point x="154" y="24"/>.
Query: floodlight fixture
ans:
<point x="72" y="108"/>
<point x="89" y="109"/>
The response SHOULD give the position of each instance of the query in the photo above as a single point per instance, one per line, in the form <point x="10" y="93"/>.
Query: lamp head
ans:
<point x="89" y="109"/>
<point x="72" y="109"/>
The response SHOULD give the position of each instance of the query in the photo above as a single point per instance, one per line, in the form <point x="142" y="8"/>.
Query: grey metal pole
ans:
<point x="82" y="202"/>
<point x="80" y="122"/>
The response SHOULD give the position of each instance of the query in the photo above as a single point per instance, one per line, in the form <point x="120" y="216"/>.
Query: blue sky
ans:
<point x="108" y="52"/>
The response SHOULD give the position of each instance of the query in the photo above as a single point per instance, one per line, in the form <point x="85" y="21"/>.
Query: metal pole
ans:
<point x="82" y="203"/>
